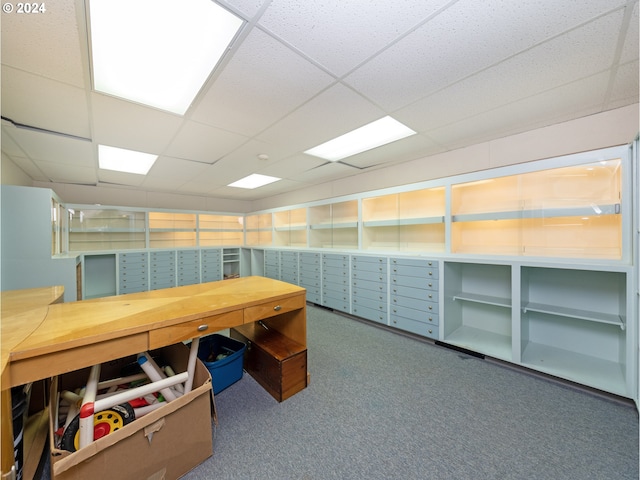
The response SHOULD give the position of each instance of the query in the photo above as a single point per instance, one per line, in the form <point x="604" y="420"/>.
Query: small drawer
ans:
<point x="273" y="308"/>
<point x="194" y="328"/>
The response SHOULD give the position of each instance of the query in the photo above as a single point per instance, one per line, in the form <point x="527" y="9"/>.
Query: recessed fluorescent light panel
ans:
<point x="122" y="160"/>
<point x="158" y="52"/>
<point x="254" y="180"/>
<point x="372" y="135"/>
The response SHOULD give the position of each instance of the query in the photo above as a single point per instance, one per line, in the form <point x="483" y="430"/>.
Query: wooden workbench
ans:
<point x="70" y="336"/>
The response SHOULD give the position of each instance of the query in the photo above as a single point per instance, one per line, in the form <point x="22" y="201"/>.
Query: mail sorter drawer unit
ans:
<point x="368" y="264"/>
<point x="211" y="265"/>
<point x="272" y="257"/>
<point x="133" y="273"/>
<point x="187" y="257"/>
<point x="276" y="362"/>
<point x="289" y="277"/>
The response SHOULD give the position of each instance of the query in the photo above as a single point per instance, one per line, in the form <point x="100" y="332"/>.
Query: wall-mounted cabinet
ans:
<point x="572" y="211"/>
<point x="290" y="227"/>
<point x="411" y="221"/>
<point x="220" y="230"/>
<point x="259" y="229"/>
<point x="170" y="230"/>
<point x="97" y="229"/>
<point x="334" y="225"/>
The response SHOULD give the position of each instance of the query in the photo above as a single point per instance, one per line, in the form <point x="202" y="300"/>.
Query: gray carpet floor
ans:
<point x="385" y="406"/>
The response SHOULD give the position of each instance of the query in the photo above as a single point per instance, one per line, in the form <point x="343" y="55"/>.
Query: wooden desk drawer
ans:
<point x="270" y="309"/>
<point x="195" y="328"/>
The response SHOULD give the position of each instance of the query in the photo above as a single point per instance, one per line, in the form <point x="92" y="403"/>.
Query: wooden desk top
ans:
<point x="21" y="313"/>
<point x="77" y="334"/>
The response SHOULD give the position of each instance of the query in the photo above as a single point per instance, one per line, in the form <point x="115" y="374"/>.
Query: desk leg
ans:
<point x="6" y="425"/>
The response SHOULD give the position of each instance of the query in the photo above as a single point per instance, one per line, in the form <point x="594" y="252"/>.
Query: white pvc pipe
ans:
<point x="155" y="375"/>
<point x="141" y="391"/>
<point x="87" y="409"/>
<point x="121" y="380"/>
<point x="142" y="411"/>
<point x="191" y="366"/>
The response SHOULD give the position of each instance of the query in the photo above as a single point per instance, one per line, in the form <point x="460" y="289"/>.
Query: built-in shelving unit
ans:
<point x="290" y="227"/>
<point x="220" y="230"/>
<point x="478" y="307"/>
<point x="571" y="211"/>
<point x="94" y="229"/>
<point x="410" y="221"/>
<point x="573" y="325"/>
<point x="170" y="230"/>
<point x="259" y="229"/>
<point x="334" y="225"/>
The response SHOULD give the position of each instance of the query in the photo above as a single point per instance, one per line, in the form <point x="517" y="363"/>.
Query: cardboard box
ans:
<point x="162" y="445"/>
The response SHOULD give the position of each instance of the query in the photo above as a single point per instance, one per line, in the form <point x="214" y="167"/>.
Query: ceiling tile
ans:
<point x="45" y="44"/>
<point x="262" y="82"/>
<point x="167" y="173"/>
<point x="44" y="103"/>
<point x="29" y="167"/>
<point x="338" y="34"/>
<point x="570" y="101"/>
<point x="120" y="178"/>
<point x="626" y="85"/>
<point x="247" y="7"/>
<point x="59" y="173"/>
<point x="203" y="143"/>
<point x="54" y="148"/>
<point x="124" y="124"/>
<point x="464" y="39"/>
<point x="562" y="60"/>
<point x="336" y="111"/>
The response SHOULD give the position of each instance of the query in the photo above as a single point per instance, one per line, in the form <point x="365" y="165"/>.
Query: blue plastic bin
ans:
<point x="227" y="370"/>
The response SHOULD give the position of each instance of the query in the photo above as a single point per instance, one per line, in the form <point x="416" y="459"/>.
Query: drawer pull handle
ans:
<point x="277" y="308"/>
<point x="202" y="328"/>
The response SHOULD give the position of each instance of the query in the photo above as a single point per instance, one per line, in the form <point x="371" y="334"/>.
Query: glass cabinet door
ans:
<point x="105" y="229"/>
<point x="572" y="211"/>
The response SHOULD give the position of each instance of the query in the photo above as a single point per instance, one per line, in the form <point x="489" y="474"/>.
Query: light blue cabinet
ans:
<point x="310" y="275"/>
<point x="211" y="264"/>
<point x="369" y="287"/>
<point x="162" y="269"/>
<point x="188" y="268"/>
<point x="413" y="299"/>
<point x="289" y="267"/>
<point x="133" y="272"/>
<point x="335" y="282"/>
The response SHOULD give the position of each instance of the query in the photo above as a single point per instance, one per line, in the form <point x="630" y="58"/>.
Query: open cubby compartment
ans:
<point x="99" y="275"/>
<point x="478" y="313"/>
<point x="573" y="325"/>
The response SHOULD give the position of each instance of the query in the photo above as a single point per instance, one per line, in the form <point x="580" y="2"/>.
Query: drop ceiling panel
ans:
<point x="262" y="82"/>
<point x="246" y="7"/>
<point x="54" y="148"/>
<point x="292" y="166"/>
<point x="45" y="44"/>
<point x="120" y="178"/>
<point x="575" y="55"/>
<point x="550" y="107"/>
<point x="256" y="193"/>
<point x="336" y="111"/>
<point x="631" y="43"/>
<point x="464" y="39"/>
<point x="28" y="167"/>
<point x="127" y="125"/>
<point x="203" y="143"/>
<point x="44" y="103"/>
<point x="625" y="86"/>
<point x="409" y="148"/>
<point x="168" y="173"/>
<point x="324" y="173"/>
<point x="338" y="34"/>
<point x="59" y="173"/>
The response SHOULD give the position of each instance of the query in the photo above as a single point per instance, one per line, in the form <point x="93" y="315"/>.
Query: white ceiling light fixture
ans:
<point x="122" y="160"/>
<point x="254" y="180"/>
<point x="158" y="52"/>
<point x="367" y="137"/>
